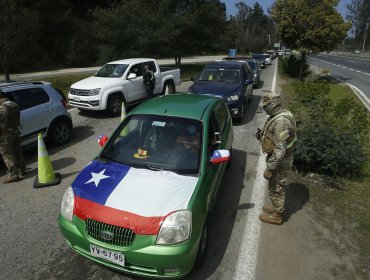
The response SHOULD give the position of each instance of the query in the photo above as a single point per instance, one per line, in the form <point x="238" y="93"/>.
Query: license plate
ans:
<point x="114" y="257"/>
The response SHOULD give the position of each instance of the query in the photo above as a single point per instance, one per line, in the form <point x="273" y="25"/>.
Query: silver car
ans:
<point x="255" y="67"/>
<point x="43" y="110"/>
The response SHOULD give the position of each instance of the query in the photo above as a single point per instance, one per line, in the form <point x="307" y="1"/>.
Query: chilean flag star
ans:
<point x="97" y="177"/>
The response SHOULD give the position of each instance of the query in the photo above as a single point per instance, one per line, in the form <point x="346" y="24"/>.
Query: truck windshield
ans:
<point x="112" y="71"/>
<point x="220" y="74"/>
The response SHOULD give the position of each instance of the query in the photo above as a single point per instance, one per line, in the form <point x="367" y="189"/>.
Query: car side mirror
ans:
<point x="220" y="156"/>
<point x="193" y="78"/>
<point x="131" y="76"/>
<point x="102" y="140"/>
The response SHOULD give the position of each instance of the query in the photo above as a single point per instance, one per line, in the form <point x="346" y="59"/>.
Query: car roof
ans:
<point x="180" y="104"/>
<point x="13" y="84"/>
<point x="131" y="60"/>
<point x="227" y="63"/>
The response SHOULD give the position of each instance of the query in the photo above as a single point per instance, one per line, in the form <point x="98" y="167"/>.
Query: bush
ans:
<point x="291" y="66"/>
<point x="330" y="135"/>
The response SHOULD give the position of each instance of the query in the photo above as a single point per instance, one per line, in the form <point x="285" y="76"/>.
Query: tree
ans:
<point x="18" y="33"/>
<point x="309" y="25"/>
<point x="359" y="16"/>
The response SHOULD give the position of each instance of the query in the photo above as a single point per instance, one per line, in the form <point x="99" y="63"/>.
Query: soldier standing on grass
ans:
<point x="10" y="145"/>
<point x="277" y="139"/>
<point x="148" y="80"/>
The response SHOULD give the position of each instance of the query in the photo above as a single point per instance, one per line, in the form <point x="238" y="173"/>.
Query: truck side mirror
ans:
<point x="131" y="76"/>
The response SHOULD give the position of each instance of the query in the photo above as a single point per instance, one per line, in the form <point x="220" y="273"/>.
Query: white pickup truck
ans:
<point x="121" y="81"/>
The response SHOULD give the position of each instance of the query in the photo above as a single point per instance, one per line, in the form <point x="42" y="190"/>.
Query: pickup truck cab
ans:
<point x="121" y="81"/>
<point x="230" y="80"/>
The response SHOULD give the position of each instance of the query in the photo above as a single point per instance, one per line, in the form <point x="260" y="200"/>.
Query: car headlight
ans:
<point x="67" y="204"/>
<point x="95" y="91"/>
<point x="175" y="228"/>
<point x="233" y="97"/>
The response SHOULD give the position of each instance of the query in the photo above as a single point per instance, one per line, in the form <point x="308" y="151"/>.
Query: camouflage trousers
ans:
<point x="278" y="183"/>
<point x="11" y="152"/>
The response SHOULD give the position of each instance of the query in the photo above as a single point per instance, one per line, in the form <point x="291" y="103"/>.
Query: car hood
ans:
<point x="96" y="82"/>
<point x="124" y="196"/>
<point x="215" y="88"/>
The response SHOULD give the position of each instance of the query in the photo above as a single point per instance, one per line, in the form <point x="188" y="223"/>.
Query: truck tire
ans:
<point x="114" y="104"/>
<point x="170" y="86"/>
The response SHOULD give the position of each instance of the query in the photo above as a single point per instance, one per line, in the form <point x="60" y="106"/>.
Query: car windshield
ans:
<point x="157" y="143"/>
<point x="112" y="71"/>
<point x="220" y="74"/>
<point x="258" y="56"/>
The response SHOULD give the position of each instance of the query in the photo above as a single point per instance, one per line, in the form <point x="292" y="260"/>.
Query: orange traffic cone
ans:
<point x="46" y="176"/>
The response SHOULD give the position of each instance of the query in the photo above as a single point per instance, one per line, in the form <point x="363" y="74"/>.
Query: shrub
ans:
<point x="329" y="134"/>
<point x="291" y="66"/>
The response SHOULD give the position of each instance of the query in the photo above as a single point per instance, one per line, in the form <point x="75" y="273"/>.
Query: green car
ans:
<point x="142" y="205"/>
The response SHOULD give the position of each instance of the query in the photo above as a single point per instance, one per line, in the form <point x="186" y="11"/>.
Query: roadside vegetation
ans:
<point x="332" y="157"/>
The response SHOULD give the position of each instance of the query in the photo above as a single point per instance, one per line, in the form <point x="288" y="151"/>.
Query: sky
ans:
<point x="231" y="10"/>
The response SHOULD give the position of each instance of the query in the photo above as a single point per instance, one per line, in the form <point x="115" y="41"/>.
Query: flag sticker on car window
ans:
<point x="157" y="123"/>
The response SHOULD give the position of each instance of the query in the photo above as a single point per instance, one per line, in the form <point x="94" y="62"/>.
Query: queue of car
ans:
<point x="113" y="213"/>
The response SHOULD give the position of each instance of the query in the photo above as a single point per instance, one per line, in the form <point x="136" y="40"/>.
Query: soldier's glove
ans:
<point x="267" y="175"/>
<point x="258" y="134"/>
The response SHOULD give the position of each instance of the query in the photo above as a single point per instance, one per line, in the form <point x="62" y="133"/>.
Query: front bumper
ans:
<point x="84" y="102"/>
<point x="142" y="257"/>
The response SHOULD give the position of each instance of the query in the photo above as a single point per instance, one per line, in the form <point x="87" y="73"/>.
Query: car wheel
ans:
<point x="170" y="86"/>
<point x="241" y="117"/>
<point x="59" y="132"/>
<point x="114" y="105"/>
<point x="203" y="247"/>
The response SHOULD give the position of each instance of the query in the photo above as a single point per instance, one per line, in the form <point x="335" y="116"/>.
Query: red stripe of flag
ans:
<point x="86" y="209"/>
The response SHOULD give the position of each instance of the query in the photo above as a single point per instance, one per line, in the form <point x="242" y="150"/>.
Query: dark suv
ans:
<point x="43" y="110"/>
<point x="230" y="80"/>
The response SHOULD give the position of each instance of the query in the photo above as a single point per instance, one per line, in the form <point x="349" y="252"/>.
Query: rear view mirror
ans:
<point x="220" y="156"/>
<point x="102" y="140"/>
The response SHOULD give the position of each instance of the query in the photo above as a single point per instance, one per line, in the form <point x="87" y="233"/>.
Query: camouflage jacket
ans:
<point x="9" y="118"/>
<point x="278" y="135"/>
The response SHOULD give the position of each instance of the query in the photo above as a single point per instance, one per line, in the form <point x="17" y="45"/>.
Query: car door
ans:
<point x="214" y="171"/>
<point x="248" y="80"/>
<point x="134" y="88"/>
<point x="36" y="110"/>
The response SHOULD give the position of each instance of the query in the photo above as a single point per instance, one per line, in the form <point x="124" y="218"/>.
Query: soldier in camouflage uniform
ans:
<point x="277" y="139"/>
<point x="10" y="146"/>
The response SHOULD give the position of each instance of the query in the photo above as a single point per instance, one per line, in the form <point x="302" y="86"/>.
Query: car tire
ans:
<point x="60" y="132"/>
<point x="171" y="88"/>
<point x="114" y="105"/>
<point x="241" y="117"/>
<point x="203" y="247"/>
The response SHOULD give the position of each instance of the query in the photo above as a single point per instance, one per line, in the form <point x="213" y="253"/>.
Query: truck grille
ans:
<point x="80" y="92"/>
<point x="120" y="236"/>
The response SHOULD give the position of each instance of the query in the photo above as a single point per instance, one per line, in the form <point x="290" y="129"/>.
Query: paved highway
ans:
<point x="351" y="70"/>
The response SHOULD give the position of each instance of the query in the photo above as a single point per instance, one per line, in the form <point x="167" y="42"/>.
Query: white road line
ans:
<point x="249" y="247"/>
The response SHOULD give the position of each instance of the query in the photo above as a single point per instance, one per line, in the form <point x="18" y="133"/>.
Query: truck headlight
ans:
<point x="95" y="91"/>
<point x="234" y="97"/>
<point x="175" y="228"/>
<point x="67" y="204"/>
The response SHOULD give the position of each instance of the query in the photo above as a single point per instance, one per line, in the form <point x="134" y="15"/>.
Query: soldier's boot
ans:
<point x="274" y="218"/>
<point x="267" y="209"/>
<point x="8" y="180"/>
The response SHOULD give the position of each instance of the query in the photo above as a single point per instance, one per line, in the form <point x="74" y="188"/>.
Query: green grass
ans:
<point x="351" y="206"/>
<point x="65" y="82"/>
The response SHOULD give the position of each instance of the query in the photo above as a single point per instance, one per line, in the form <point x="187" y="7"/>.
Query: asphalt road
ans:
<point x="32" y="247"/>
<point x="351" y="70"/>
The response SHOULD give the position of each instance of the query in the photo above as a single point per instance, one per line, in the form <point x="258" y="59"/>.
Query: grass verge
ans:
<point x="350" y="206"/>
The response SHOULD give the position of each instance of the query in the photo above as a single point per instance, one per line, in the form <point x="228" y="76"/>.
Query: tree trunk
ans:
<point x="303" y="61"/>
<point x="178" y="60"/>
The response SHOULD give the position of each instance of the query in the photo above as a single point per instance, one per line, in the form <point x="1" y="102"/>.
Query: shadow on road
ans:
<point x="297" y="195"/>
<point x="250" y="110"/>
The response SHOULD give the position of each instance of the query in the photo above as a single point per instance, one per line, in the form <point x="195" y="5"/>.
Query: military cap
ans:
<point x="271" y="97"/>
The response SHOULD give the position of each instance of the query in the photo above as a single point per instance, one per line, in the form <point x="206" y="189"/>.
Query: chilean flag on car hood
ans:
<point x="124" y="196"/>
